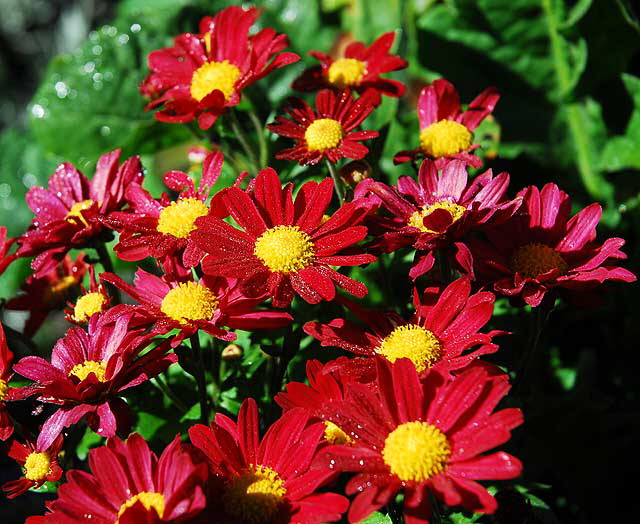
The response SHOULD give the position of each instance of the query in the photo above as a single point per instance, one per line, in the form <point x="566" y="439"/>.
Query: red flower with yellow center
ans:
<point x="360" y="69"/>
<point x="89" y="303"/>
<point x="445" y="130"/>
<point x="423" y="438"/>
<point x="268" y="480"/>
<point x="326" y="132"/>
<point x="202" y="75"/>
<point x="6" y="358"/>
<point x="285" y="246"/>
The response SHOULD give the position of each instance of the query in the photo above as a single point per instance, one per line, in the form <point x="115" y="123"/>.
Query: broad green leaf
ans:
<point x="376" y="518"/>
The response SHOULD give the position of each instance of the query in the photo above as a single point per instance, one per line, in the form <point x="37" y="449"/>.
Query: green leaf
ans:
<point x="376" y="518"/>
<point x="148" y="424"/>
<point x="90" y="440"/>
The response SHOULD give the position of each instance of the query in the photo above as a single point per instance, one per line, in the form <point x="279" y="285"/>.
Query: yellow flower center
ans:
<point x="76" y="209"/>
<point x="534" y="259"/>
<point x="334" y="435"/>
<point x="346" y="72"/>
<point x="445" y="138"/>
<point x="148" y="499"/>
<point x="255" y="496"/>
<point x="284" y="248"/>
<point x="189" y="301"/>
<point x="87" y="306"/>
<point x="3" y="389"/>
<point x="416" y="451"/>
<point x="214" y="75"/>
<point x="37" y="465"/>
<point x="178" y="219"/>
<point x="413" y="342"/>
<point x="54" y="292"/>
<point x="323" y="134"/>
<point x="83" y="370"/>
<point x="455" y="210"/>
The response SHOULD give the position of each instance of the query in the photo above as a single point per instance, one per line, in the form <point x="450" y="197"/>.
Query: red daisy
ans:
<point x="445" y="130"/>
<point x="202" y="75"/>
<point x="188" y="306"/>
<point x="437" y="212"/>
<point x="128" y="484"/>
<point x="541" y="249"/>
<point x="5" y="246"/>
<point x="68" y="212"/>
<point x="6" y="358"/>
<point x="267" y="481"/>
<point x="424" y="437"/>
<point x="89" y="369"/>
<point x="40" y="465"/>
<point x="328" y="131"/>
<point x="359" y="69"/>
<point x="286" y="246"/>
<point x="89" y="303"/>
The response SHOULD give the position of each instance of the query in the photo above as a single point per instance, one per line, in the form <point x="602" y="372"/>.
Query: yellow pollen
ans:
<point x="416" y="451"/>
<point x="189" y="301"/>
<point x="284" y="248"/>
<point x="148" y="499"/>
<point x="323" y="134"/>
<point x="255" y="496"/>
<point x="87" y="306"/>
<point x="3" y="389"/>
<point x="455" y="210"/>
<point x="178" y="219"/>
<point x="445" y="137"/>
<point x="535" y="259"/>
<point x="334" y="435"/>
<point x="83" y="370"/>
<point x="214" y="75"/>
<point x="413" y="342"/>
<point x="346" y="72"/>
<point x="37" y="465"/>
<point x="76" y="209"/>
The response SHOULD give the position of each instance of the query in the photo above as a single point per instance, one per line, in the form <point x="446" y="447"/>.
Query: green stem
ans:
<point x="198" y="366"/>
<point x="262" y="139"/>
<point x="162" y="386"/>
<point x="107" y="264"/>
<point x="242" y="138"/>
<point x="537" y="320"/>
<point x="336" y="181"/>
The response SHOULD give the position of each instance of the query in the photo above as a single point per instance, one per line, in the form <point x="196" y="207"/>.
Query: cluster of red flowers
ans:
<point x="411" y="410"/>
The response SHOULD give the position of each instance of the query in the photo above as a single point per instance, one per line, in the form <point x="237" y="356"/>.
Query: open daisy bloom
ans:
<point x="68" y="212"/>
<point x="40" y="465"/>
<point x="328" y="131"/>
<point x="421" y="438"/>
<point x="285" y="246"/>
<point x="445" y="130"/>
<point x="541" y="249"/>
<point x="89" y="369"/>
<point x="128" y="484"/>
<point x="358" y="69"/>
<point x="90" y="302"/>
<point x="268" y="480"/>
<point x="6" y="358"/>
<point x="202" y="75"/>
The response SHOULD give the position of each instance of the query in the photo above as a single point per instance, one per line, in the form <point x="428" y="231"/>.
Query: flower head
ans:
<point x="90" y="302"/>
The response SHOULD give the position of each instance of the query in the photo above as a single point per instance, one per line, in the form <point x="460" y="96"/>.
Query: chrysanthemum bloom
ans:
<point x="68" y="212"/>
<point x="128" y="484"/>
<point x="89" y="369"/>
<point x="328" y="131"/>
<point x="267" y="481"/>
<point x="6" y="358"/>
<point x="442" y="334"/>
<point x="90" y="302"/>
<point x="5" y="246"/>
<point x="437" y="212"/>
<point x="161" y="228"/>
<point x="423" y="437"/>
<point x="209" y="304"/>
<point x="359" y="69"/>
<point x="285" y="246"/>
<point x="202" y="75"/>
<point x="445" y="130"/>
<point x="44" y="294"/>
<point x="40" y="465"/>
<point x="541" y="249"/>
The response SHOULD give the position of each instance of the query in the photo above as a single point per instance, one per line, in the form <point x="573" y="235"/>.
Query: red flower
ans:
<point x="359" y="69"/>
<point x="285" y="246"/>
<point x="89" y="369"/>
<point x="189" y="306"/>
<point x="437" y="212"/>
<point x="267" y="481"/>
<point x="40" y="465"/>
<point x="423" y="437"/>
<point x="89" y="303"/>
<point x="442" y="334"/>
<point x="446" y="130"/>
<point x="68" y="212"/>
<point x="128" y="484"/>
<point x="5" y="245"/>
<point x="541" y="249"/>
<point x="6" y="358"/>
<point x="204" y="74"/>
<point x="327" y="131"/>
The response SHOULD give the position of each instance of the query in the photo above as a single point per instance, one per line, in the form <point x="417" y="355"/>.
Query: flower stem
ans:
<point x="164" y="387"/>
<point x="336" y="181"/>
<point x="198" y="367"/>
<point x="242" y="138"/>
<point x="107" y="264"/>
<point x="263" y="146"/>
